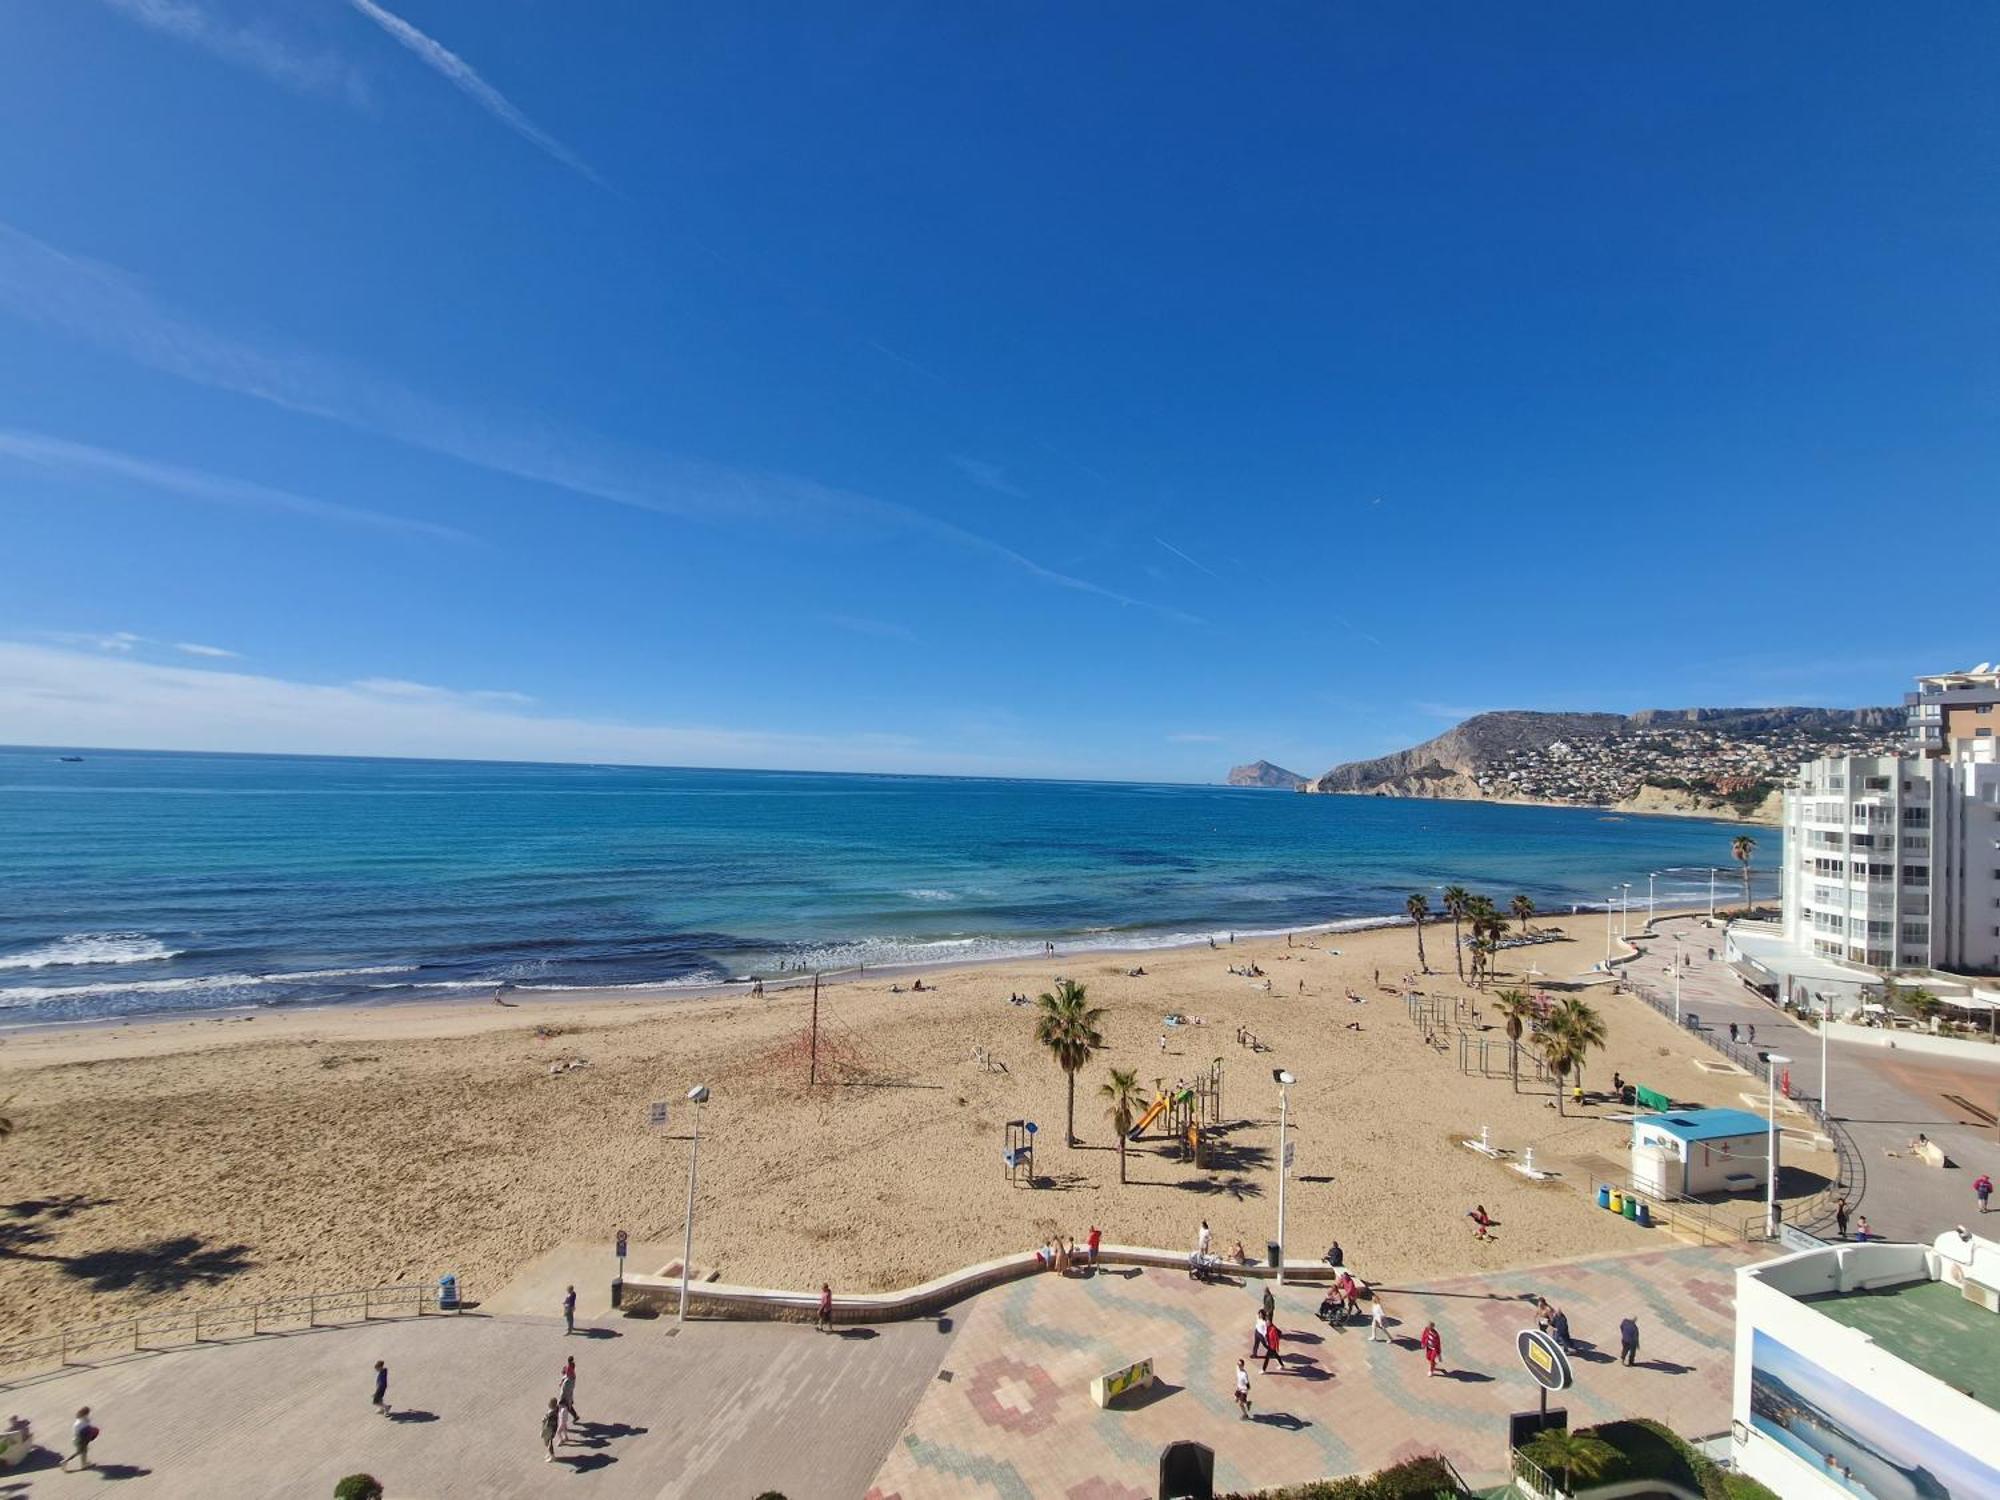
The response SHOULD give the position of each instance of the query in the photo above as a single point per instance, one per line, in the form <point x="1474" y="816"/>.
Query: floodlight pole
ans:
<point x="1282" y="1174"/>
<point x="687" y="1235"/>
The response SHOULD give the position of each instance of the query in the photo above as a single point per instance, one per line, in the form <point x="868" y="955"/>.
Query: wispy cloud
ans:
<point x="112" y="640"/>
<point x="247" y="47"/>
<point x="1199" y="567"/>
<point x="1186" y="738"/>
<point x="423" y="692"/>
<point x="988" y="476"/>
<point x="51" y="696"/>
<point x="462" y="76"/>
<point x="110" y="309"/>
<point x="195" y="648"/>
<point x="58" y="455"/>
<point x="888" y="630"/>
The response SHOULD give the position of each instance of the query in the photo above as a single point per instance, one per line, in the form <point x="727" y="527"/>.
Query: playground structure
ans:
<point x="1018" y="1151"/>
<point x="1185" y="1110"/>
<point x="1487" y="1053"/>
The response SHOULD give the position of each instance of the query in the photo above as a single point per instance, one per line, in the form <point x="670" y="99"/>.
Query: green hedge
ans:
<point x="1416" y="1479"/>
<point x="1647" y="1450"/>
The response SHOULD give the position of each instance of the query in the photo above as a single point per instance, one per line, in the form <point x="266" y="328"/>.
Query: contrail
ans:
<point x="441" y="59"/>
<point x="1186" y="559"/>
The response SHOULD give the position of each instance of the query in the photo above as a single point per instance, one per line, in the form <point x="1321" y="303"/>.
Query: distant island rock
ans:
<point x="1703" y="762"/>
<point x="1263" y="773"/>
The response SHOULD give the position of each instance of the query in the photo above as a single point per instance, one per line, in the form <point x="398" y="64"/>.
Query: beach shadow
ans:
<point x="1300" y="1367"/>
<point x="1665" y="1367"/>
<point x="1282" y="1419"/>
<point x="605" y="1431"/>
<point x="1466" y="1377"/>
<point x="163" y="1266"/>
<point x="1228" y="1156"/>
<point x="855" y="1333"/>
<point x="120" y="1471"/>
<point x="585" y="1463"/>
<point x="599" y="1333"/>
<point x="1238" y="1188"/>
<point x="1300" y="1336"/>
<point x="1158" y="1391"/>
<point x="1590" y="1355"/>
<point x="413" y="1414"/>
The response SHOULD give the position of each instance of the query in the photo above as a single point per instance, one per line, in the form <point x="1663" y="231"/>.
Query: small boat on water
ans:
<point x="70" y="758"/>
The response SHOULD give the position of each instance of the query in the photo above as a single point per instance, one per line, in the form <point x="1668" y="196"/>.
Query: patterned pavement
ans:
<point x="1014" y="1419"/>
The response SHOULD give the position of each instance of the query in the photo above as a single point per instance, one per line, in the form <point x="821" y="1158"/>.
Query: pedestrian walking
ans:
<point x="1260" y="1335"/>
<point x="1862" y="1233"/>
<point x="82" y="1433"/>
<point x="1982" y="1189"/>
<point x="1201" y="1241"/>
<point x="1242" y="1391"/>
<point x="551" y="1420"/>
<point x="1432" y="1343"/>
<point x="566" y="1387"/>
<point x="1273" y="1337"/>
<point x="569" y="1311"/>
<point x="1840" y="1216"/>
<point x="1628" y="1341"/>
<point x="1752" y="1038"/>
<point x="1732" y="1031"/>
<point x="381" y="1396"/>
<point x="562" y="1426"/>
<point x="1378" y="1327"/>
<point x="1559" y="1326"/>
<point x="1270" y="1305"/>
<point x="825" y="1307"/>
<point x="1482" y="1223"/>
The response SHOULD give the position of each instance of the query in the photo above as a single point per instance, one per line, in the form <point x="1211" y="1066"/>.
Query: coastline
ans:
<point x="345" y="1145"/>
<point x="1623" y="809"/>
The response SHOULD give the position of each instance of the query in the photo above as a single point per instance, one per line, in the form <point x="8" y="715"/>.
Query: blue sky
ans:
<point x="1038" y="389"/>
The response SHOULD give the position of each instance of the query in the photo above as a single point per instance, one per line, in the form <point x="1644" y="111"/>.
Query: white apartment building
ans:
<point x="1893" y="862"/>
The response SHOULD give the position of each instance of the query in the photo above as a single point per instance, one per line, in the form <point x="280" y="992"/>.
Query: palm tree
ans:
<point x="1578" y="1027"/>
<point x="1518" y="1007"/>
<point x="1419" y="908"/>
<point x="1066" y="1024"/>
<point x="1572" y="1452"/>
<point x="1743" y="846"/>
<point x="1456" y="899"/>
<point x="1125" y="1099"/>
<point x="1523" y="910"/>
<point x="1922" y="1003"/>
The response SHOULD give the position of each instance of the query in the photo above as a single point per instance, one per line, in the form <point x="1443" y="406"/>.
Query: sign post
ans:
<point x="1546" y="1362"/>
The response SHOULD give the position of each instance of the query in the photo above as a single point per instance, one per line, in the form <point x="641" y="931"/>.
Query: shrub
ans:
<point x="1415" y="1479"/>
<point x="1649" y="1450"/>
<point x="358" y="1487"/>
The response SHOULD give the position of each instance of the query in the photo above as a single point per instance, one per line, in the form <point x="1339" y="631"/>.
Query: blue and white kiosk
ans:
<point x="1688" y="1152"/>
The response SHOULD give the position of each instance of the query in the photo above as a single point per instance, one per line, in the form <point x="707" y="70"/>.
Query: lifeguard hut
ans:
<point x="1688" y="1152"/>
<point x="1018" y="1151"/>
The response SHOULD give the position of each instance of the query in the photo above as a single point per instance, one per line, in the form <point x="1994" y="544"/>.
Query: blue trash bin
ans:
<point x="448" y="1292"/>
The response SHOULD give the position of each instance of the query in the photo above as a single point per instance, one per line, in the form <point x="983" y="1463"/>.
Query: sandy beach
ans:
<point x="212" y="1160"/>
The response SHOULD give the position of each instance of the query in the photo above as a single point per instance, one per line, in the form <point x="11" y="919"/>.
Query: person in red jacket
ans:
<point x="1096" y="1239"/>
<point x="1272" y="1338"/>
<point x="1433" y="1346"/>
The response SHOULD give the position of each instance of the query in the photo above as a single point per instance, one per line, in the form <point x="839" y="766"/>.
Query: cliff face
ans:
<point x="1470" y="747"/>
<point x="1263" y="773"/>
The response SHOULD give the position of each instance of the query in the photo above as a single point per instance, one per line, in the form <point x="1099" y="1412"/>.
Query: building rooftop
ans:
<point x="1930" y="1325"/>
<point x="1707" y="1124"/>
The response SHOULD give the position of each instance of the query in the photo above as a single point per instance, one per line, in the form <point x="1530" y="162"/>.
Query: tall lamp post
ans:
<point x="1651" y="876"/>
<point x="1825" y="1025"/>
<point x="1711" y="893"/>
<point x="1625" y="912"/>
<point x="1775" y="1059"/>
<point x="697" y="1096"/>
<point x="1284" y="1080"/>
<point x="1609" y="907"/>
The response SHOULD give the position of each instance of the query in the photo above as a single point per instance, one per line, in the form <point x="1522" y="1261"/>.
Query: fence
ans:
<point x="1535" y="1479"/>
<point x="178" y="1327"/>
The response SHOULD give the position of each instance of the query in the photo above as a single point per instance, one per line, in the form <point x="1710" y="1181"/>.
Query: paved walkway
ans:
<point x="1882" y="1098"/>
<point x="724" y="1410"/>
<point x="1015" y="1421"/>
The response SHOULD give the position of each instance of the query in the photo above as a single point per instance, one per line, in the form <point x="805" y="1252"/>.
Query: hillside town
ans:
<point x="1744" y="767"/>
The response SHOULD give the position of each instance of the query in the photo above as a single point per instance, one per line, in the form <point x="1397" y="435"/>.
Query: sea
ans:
<point x="141" y="883"/>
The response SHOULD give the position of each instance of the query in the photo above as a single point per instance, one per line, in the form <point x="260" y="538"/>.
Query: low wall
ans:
<point x="1921" y="1042"/>
<point x="661" y="1294"/>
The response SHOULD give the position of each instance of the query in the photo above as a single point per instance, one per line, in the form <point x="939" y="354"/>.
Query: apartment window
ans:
<point x="1833" y="867"/>
<point x="1916" y="874"/>
<point x="1864" y="841"/>
<point x="1878" y="930"/>
<point x="1920" y="842"/>
<point x="1832" y="950"/>
<point x="1915" y="932"/>
<point x="1916" y="815"/>
<point x="1876" y="784"/>
<point x="1982" y="733"/>
<point x="1984" y="708"/>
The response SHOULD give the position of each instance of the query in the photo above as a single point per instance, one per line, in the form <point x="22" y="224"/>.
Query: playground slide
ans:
<point x="1153" y="1112"/>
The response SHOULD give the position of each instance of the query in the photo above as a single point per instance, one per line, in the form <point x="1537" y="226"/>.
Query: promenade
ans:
<point x="991" y="1401"/>
<point x="1882" y="1098"/>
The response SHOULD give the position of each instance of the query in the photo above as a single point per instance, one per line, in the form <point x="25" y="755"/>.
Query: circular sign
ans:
<point x="1544" y="1358"/>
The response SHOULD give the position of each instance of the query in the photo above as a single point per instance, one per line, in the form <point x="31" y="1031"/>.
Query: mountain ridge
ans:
<point x="1262" y="773"/>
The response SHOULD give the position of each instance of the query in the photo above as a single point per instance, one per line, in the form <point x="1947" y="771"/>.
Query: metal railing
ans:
<point x="179" y="1327"/>
<point x="1536" y="1479"/>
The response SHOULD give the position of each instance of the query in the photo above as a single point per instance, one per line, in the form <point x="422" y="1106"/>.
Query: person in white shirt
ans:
<point x="1242" y="1390"/>
<point x="1201" y="1240"/>
<point x="1378" y="1327"/>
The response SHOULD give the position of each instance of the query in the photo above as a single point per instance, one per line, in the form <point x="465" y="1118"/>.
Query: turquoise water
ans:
<point x="143" y="882"/>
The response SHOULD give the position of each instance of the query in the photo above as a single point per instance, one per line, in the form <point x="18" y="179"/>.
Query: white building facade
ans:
<point x="1893" y="862"/>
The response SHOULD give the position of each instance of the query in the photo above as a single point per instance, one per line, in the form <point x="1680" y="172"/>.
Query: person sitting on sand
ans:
<point x="918" y="986"/>
<point x="1236" y="1254"/>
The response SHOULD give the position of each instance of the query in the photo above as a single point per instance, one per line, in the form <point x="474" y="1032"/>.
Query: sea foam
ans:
<point x="90" y="948"/>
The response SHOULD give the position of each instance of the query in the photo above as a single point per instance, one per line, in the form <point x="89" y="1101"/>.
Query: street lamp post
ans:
<point x="1625" y="912"/>
<point x="1284" y="1080"/>
<point x="698" y="1095"/>
<point x="1825" y="1025"/>
<point x="1711" y="893"/>
<point x="1651" y="876"/>
<point x="1771" y="1151"/>
<point x="1609" y="907"/>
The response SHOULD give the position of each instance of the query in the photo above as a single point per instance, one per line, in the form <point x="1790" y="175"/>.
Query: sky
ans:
<point x="1044" y="389"/>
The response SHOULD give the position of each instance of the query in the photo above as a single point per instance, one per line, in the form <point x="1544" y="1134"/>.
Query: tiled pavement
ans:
<point x="1015" y="1419"/>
